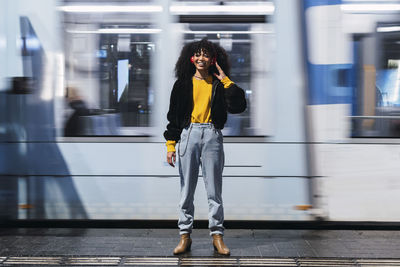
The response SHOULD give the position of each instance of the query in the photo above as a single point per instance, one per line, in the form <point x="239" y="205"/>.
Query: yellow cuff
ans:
<point x="171" y="145"/>
<point x="227" y="82"/>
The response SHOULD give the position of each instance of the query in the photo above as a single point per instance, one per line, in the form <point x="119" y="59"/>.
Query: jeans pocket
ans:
<point x="220" y="136"/>
<point x="183" y="136"/>
<point x="183" y="142"/>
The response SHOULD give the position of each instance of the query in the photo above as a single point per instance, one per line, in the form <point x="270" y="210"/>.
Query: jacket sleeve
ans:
<point x="235" y="99"/>
<point x="173" y="131"/>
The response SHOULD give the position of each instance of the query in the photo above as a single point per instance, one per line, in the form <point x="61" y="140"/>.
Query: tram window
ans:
<point x="248" y="71"/>
<point x="101" y="101"/>
<point x="377" y="112"/>
<point x="387" y="84"/>
<point x="108" y="79"/>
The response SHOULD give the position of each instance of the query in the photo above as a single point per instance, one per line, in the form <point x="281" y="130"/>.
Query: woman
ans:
<point x="200" y="99"/>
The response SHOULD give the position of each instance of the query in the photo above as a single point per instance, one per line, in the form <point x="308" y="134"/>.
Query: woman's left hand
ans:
<point x="221" y="72"/>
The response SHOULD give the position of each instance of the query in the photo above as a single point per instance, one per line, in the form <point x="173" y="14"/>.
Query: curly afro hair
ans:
<point x="184" y="68"/>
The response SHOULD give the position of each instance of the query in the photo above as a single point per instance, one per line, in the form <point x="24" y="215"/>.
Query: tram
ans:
<point x="85" y="90"/>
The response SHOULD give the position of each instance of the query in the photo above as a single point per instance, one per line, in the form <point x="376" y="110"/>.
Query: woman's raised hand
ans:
<point x="221" y="74"/>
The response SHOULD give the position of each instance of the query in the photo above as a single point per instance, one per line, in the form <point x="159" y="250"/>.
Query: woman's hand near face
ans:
<point x="171" y="158"/>
<point x="221" y="74"/>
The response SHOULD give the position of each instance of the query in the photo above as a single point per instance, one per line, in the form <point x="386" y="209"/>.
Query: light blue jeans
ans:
<point x="201" y="144"/>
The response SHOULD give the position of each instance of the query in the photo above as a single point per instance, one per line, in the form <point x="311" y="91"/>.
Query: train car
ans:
<point x="352" y="60"/>
<point x="86" y="91"/>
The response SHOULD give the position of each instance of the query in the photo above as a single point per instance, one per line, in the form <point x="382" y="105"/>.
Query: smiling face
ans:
<point x="202" y="60"/>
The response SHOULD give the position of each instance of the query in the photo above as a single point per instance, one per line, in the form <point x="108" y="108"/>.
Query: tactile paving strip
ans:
<point x="208" y="262"/>
<point x="98" y="261"/>
<point x="150" y="261"/>
<point x="326" y="262"/>
<point x="267" y="262"/>
<point x="195" y="261"/>
<point x="378" y="262"/>
<point x="33" y="261"/>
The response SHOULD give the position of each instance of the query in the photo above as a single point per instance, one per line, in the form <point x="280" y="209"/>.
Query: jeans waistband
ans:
<point x="202" y="125"/>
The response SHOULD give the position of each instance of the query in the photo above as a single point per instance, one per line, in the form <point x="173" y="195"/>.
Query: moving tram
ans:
<point x="86" y="90"/>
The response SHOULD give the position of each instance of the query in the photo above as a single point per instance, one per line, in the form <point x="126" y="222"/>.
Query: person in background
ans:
<point x="200" y="99"/>
<point x="73" y="126"/>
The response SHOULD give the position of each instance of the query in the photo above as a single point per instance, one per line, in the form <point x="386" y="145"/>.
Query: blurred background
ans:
<point x="85" y="87"/>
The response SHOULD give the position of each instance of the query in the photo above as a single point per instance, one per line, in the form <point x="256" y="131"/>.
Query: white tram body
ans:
<point x="319" y="138"/>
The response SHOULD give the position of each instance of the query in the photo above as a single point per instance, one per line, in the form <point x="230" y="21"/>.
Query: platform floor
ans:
<point x="249" y="247"/>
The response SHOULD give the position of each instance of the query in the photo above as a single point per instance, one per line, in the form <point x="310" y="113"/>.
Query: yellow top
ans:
<point x="202" y="90"/>
<point x="201" y="100"/>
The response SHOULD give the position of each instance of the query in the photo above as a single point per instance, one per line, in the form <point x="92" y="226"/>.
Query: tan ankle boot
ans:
<point x="219" y="245"/>
<point x="184" y="244"/>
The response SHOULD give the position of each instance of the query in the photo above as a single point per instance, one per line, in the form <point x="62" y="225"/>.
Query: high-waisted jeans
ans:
<point x="201" y="144"/>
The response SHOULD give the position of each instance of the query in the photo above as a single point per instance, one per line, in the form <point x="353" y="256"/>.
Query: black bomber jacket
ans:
<point x="223" y="100"/>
